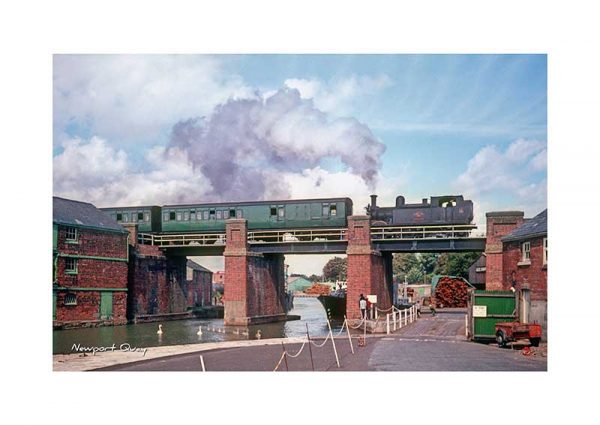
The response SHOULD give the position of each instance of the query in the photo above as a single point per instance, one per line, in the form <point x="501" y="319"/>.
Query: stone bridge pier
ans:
<point x="369" y="270"/>
<point x="254" y="283"/>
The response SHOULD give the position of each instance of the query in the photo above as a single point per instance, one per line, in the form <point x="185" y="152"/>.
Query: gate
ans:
<point x="486" y="308"/>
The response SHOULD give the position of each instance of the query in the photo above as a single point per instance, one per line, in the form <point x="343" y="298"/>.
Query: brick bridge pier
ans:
<point x="254" y="283"/>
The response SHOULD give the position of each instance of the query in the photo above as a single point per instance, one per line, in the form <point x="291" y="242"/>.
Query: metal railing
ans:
<point x="379" y="234"/>
<point x="297" y="236"/>
<point x="392" y="233"/>
<point x="184" y="239"/>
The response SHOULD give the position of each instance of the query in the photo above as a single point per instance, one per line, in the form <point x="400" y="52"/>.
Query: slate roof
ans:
<point x="535" y="227"/>
<point x="83" y="214"/>
<point x="195" y="266"/>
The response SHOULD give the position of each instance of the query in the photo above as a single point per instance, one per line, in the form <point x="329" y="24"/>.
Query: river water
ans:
<point x="177" y="332"/>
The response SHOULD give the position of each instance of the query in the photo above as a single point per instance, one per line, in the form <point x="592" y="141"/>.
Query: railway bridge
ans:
<point x="254" y="260"/>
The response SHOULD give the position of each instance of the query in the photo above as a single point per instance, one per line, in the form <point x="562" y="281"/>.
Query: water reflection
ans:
<point x="187" y="331"/>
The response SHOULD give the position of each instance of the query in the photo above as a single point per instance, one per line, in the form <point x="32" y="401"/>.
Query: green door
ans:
<point x="106" y="305"/>
<point x="488" y="308"/>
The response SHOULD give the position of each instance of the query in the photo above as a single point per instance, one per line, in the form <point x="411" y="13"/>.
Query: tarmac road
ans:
<point x="430" y="344"/>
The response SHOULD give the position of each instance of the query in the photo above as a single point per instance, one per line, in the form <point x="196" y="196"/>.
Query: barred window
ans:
<point x="71" y="234"/>
<point x="70" y="299"/>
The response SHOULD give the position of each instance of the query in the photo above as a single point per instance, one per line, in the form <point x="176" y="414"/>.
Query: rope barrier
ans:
<point x="298" y="353"/>
<point x="386" y="310"/>
<point x="319" y="346"/>
<point x="280" y="360"/>
<point x="341" y="330"/>
<point x="359" y="325"/>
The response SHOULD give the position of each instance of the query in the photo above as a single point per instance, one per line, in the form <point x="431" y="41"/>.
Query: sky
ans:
<point x="161" y="129"/>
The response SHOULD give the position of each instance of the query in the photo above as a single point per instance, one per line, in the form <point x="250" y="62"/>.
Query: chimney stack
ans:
<point x="373" y="201"/>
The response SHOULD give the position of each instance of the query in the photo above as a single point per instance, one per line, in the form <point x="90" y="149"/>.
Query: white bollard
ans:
<point x="394" y="313"/>
<point x="387" y="319"/>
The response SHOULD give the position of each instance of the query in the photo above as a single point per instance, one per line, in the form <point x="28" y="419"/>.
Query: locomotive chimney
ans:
<point x="373" y="201"/>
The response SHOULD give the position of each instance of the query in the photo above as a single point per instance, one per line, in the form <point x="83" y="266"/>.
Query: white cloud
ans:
<point x="540" y="161"/>
<point x="94" y="171"/>
<point x="128" y="97"/>
<point x="491" y="169"/>
<point x="506" y="180"/>
<point x="337" y="95"/>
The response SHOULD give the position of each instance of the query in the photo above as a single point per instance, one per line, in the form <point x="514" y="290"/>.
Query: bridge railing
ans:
<point x="297" y="236"/>
<point x="391" y="233"/>
<point x="379" y="234"/>
<point x="184" y="239"/>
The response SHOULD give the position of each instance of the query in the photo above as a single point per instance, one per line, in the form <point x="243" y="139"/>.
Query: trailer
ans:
<point x="512" y="331"/>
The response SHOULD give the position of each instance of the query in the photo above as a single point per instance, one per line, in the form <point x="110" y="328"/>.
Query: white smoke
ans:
<point x="245" y="144"/>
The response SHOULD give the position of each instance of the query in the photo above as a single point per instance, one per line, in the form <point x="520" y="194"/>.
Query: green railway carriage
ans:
<point x="148" y="218"/>
<point x="290" y="214"/>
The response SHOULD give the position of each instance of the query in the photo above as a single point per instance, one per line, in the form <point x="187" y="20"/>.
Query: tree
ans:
<point x="414" y="275"/>
<point x="459" y="263"/>
<point x="335" y="269"/>
<point x="314" y="278"/>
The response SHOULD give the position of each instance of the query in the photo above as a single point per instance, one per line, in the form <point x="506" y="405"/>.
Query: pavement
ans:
<point x="429" y="344"/>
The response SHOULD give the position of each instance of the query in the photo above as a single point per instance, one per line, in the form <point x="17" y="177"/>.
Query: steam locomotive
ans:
<point x="439" y="210"/>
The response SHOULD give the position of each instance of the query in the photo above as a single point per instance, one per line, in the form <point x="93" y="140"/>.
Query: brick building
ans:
<point x="90" y="255"/>
<point x="525" y="262"/>
<point x="199" y="281"/>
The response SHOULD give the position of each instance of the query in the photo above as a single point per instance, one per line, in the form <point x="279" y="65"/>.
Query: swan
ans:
<point x="159" y="331"/>
<point x="199" y="333"/>
<point x="258" y="334"/>
<point x="245" y="333"/>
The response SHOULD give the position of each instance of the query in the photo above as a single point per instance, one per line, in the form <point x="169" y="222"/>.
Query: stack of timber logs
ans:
<point x="451" y="292"/>
<point x="318" y="289"/>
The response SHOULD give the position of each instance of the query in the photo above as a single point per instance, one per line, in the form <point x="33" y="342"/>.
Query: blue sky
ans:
<point x="301" y="125"/>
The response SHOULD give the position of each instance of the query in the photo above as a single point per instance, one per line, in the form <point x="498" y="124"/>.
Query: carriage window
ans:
<point x="239" y="214"/>
<point x="232" y="213"/>
<point x="281" y="212"/>
<point x="166" y="217"/>
<point x="273" y="211"/>
<point x="125" y="217"/>
<point x="172" y="215"/>
<point x="146" y="216"/>
<point x="179" y="216"/>
<point x="325" y="210"/>
<point x="226" y="214"/>
<point x="119" y="217"/>
<point x="219" y="214"/>
<point x="192" y="215"/>
<point x="333" y="210"/>
<point x="205" y="215"/>
<point x="133" y="217"/>
<point x="140" y="216"/>
<point x="186" y="216"/>
<point x="211" y="213"/>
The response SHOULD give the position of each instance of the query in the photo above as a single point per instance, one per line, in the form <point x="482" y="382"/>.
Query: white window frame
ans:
<point x="71" y="234"/>
<point x="545" y="247"/>
<point x="526" y="251"/>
